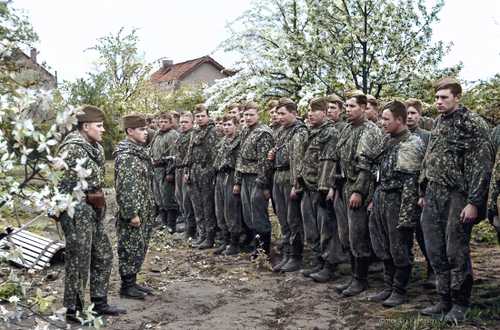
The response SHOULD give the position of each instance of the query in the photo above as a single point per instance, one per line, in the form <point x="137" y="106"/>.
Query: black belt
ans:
<point x="283" y="168"/>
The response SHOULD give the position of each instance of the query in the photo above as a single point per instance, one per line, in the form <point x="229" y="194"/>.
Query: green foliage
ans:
<point x="43" y="303"/>
<point x="484" y="232"/>
<point x="9" y="289"/>
<point x="484" y="97"/>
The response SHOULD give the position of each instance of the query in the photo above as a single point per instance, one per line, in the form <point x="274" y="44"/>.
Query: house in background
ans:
<point x="30" y="73"/>
<point x="203" y="70"/>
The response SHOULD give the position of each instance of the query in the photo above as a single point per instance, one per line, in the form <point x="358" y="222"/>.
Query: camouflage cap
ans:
<point x="90" y="114"/>
<point x="332" y="98"/>
<point x="134" y="120"/>
<point x="319" y="104"/>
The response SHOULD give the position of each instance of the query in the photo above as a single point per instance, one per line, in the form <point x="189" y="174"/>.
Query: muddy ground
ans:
<point x="196" y="290"/>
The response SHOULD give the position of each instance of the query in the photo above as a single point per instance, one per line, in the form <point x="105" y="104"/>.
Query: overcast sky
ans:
<point x="186" y="29"/>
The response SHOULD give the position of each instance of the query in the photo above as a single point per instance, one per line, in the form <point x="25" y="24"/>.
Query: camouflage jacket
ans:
<point x="399" y="164"/>
<point x="355" y="155"/>
<point x="289" y="152"/>
<point x="162" y="150"/>
<point x="78" y="148"/>
<point x="181" y="146"/>
<point x="426" y="123"/>
<point x="227" y="152"/>
<point x="133" y="181"/>
<point x="151" y="135"/>
<point x="494" y="194"/>
<point x="201" y="151"/>
<point x="423" y="134"/>
<point x="495" y="137"/>
<point x="276" y="129"/>
<point x="317" y="160"/>
<point x="460" y="155"/>
<point x="256" y="142"/>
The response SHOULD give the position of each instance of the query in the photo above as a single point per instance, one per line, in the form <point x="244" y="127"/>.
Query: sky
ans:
<point x="185" y="29"/>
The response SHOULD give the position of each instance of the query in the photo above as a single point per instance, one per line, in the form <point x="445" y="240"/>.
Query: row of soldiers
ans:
<point x="343" y="188"/>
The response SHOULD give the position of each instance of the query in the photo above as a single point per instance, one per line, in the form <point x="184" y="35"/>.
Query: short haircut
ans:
<point x="233" y="119"/>
<point x="332" y="98"/>
<point x="319" y="104"/>
<point x="175" y="114"/>
<point x="200" y="108"/>
<point x="287" y="103"/>
<point x="251" y="105"/>
<point x="449" y="83"/>
<point x="234" y="105"/>
<point x="360" y="98"/>
<point x="271" y="104"/>
<point x="165" y="115"/>
<point x="187" y="114"/>
<point x="372" y="100"/>
<point x="218" y="118"/>
<point x="398" y="110"/>
<point x="414" y="103"/>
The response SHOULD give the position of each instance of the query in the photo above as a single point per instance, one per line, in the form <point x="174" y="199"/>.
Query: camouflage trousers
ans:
<point x="288" y="213"/>
<point x="201" y="194"/>
<point x="331" y="249"/>
<point x="87" y="248"/>
<point x="254" y="205"/>
<point x="352" y="225"/>
<point x="312" y="214"/>
<point x="133" y="243"/>
<point x="164" y="191"/>
<point x="389" y="242"/>
<point x="447" y="241"/>
<point x="227" y="205"/>
<point x="183" y="200"/>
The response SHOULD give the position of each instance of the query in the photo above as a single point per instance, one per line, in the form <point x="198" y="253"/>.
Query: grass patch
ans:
<point x="484" y="232"/>
<point x="412" y="323"/>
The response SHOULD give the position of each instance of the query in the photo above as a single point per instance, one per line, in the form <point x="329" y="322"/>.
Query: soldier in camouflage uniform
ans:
<point x="200" y="176"/>
<point x="287" y="156"/>
<point x="392" y="218"/>
<point x="414" y="111"/>
<point x="253" y="176"/>
<point x="136" y="205"/>
<point x="227" y="205"/>
<point x="87" y="244"/>
<point x="180" y="150"/>
<point x="274" y="122"/>
<point x="355" y="154"/>
<point x="152" y="123"/>
<point x="495" y="137"/>
<point x="494" y="195"/>
<point x="161" y="151"/>
<point x="455" y="175"/>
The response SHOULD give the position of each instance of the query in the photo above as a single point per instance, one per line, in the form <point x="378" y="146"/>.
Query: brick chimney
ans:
<point x="33" y="54"/>
<point x="165" y="64"/>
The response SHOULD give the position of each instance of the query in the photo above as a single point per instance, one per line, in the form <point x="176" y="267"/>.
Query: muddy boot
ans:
<point x="101" y="307"/>
<point x="395" y="299"/>
<point x="441" y="308"/>
<point x="456" y="314"/>
<point x="142" y="288"/>
<point x="171" y="221"/>
<point x="283" y="261"/>
<point x="316" y="266"/>
<point x="341" y="287"/>
<point x="360" y="281"/>
<point x="202" y="236"/>
<point x="389" y="271"/>
<point x="190" y="233"/>
<point x="234" y="247"/>
<point x="293" y="264"/>
<point x="208" y="243"/>
<point x="401" y="279"/>
<point x="71" y="313"/>
<point x="129" y="290"/>
<point x="223" y="245"/>
<point x="248" y="242"/>
<point x="326" y="274"/>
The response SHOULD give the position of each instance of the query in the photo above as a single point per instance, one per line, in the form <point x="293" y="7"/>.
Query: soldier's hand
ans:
<point x="135" y="222"/>
<point x="355" y="200"/>
<point x="267" y="193"/>
<point x="293" y="194"/>
<point x="169" y="178"/>
<point x="331" y="195"/>
<point x="421" y="202"/>
<point x="236" y="189"/>
<point x="370" y="206"/>
<point x="469" y="214"/>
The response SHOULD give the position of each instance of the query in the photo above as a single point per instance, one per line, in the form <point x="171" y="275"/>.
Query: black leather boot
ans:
<point x="101" y="307"/>
<point x="389" y="271"/>
<point x="327" y="273"/>
<point x="208" y="243"/>
<point x="284" y="259"/>
<point x="401" y="279"/>
<point x="190" y="233"/>
<point x="142" y="288"/>
<point x="293" y="264"/>
<point x="202" y="236"/>
<point x="171" y="221"/>
<point x="360" y="281"/>
<point x="234" y="247"/>
<point x="441" y="308"/>
<point x="223" y="244"/>
<point x="316" y="266"/>
<point x="129" y="289"/>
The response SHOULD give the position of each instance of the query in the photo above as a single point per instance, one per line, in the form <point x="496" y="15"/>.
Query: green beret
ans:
<point x="90" y="114"/>
<point x="134" y="120"/>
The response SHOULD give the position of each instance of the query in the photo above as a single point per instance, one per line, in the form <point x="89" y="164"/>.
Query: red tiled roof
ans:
<point x="179" y="70"/>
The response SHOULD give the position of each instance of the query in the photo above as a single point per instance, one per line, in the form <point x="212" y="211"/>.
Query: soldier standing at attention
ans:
<point x="455" y="175"/>
<point x="355" y="155"/>
<point x="392" y="218"/>
<point x="200" y="175"/>
<point x="253" y="176"/>
<point x="414" y="110"/>
<point x="136" y="205"/>
<point x="180" y="150"/>
<point x="287" y="156"/>
<point x="161" y="151"/>
<point x="227" y="205"/>
<point x="494" y="196"/>
<point x="88" y="249"/>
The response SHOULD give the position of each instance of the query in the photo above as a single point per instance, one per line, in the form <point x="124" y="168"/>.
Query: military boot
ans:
<point x="441" y="308"/>
<point x="360" y="281"/>
<point x="389" y="271"/>
<point x="208" y="243"/>
<point x="284" y="259"/>
<point x="316" y="266"/>
<point x="234" y="246"/>
<point x="263" y="242"/>
<point x="456" y="314"/>
<point x="190" y="233"/>
<point x="101" y="307"/>
<point x="223" y="244"/>
<point x="142" y="288"/>
<point x="430" y="282"/>
<point x="129" y="290"/>
<point x="248" y="242"/>
<point x="71" y="313"/>
<point x="293" y="264"/>
<point x="171" y="221"/>
<point x="327" y="273"/>
<point x="202" y="236"/>
<point x="401" y="279"/>
<point x="341" y="287"/>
